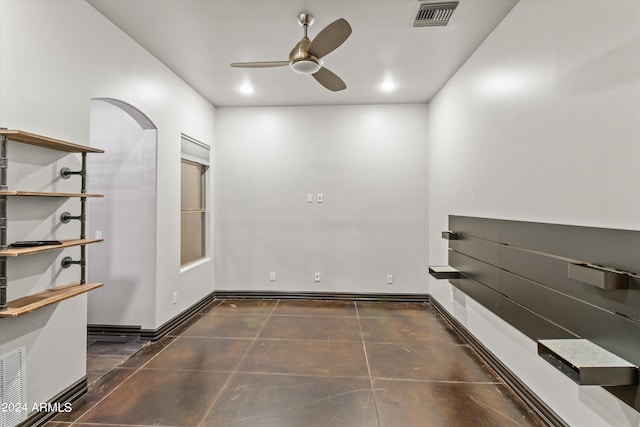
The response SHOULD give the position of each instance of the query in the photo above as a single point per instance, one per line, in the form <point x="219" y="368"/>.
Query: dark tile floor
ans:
<point x="303" y="363"/>
<point x="104" y="352"/>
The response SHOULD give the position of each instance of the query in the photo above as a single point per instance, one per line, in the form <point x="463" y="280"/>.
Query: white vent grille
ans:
<point x="194" y="150"/>
<point x="12" y="388"/>
<point x="434" y="14"/>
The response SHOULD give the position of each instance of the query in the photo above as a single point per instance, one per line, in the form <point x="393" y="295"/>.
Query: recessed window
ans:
<point x="193" y="200"/>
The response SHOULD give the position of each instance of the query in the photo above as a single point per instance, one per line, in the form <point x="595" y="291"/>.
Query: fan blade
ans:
<point x="332" y="36"/>
<point x="329" y="80"/>
<point x="265" y="64"/>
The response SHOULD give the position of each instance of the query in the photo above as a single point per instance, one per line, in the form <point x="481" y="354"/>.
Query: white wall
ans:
<point x="368" y="162"/>
<point x="56" y="57"/>
<point x="541" y="124"/>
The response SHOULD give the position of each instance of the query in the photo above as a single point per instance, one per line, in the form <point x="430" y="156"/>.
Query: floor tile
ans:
<point x="392" y="309"/>
<point x="427" y="362"/>
<point x="277" y="400"/>
<point x="150" y="397"/>
<point x="315" y="308"/>
<point x="184" y="326"/>
<point x="147" y="353"/>
<point x="244" y="306"/>
<point x="297" y="363"/>
<point x="91" y="378"/>
<point x="115" y="346"/>
<point x="98" y="364"/>
<point x="239" y="326"/>
<point x="201" y="354"/>
<point x="407" y="403"/>
<point x="97" y="390"/>
<point x="213" y="304"/>
<point x="407" y="329"/>
<point x="328" y="358"/>
<point x="312" y="328"/>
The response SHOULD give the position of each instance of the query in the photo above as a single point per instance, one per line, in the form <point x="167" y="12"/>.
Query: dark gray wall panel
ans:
<point x="608" y="247"/>
<point x="484" y="250"/>
<point x="530" y="323"/>
<point x="527" y="282"/>
<point x="479" y="292"/>
<point x="607" y="329"/>
<point x="527" y="322"/>
<point x="475" y="269"/>
<point x="483" y="228"/>
<point x="552" y="272"/>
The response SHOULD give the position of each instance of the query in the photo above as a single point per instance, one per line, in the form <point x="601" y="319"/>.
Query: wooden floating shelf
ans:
<point x="45" y="194"/>
<point x="34" y="302"/>
<point x="587" y="363"/>
<point x="37" y="249"/>
<point x="444" y="272"/>
<point x="46" y="142"/>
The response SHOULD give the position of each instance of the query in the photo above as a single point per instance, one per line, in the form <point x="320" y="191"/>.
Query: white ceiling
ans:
<point x="198" y="39"/>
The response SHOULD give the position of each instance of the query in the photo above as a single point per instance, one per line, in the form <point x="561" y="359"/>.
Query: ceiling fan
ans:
<point x="306" y="56"/>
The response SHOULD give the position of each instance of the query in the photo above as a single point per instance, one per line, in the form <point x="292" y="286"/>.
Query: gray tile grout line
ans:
<point x="235" y="368"/>
<point x="366" y="359"/>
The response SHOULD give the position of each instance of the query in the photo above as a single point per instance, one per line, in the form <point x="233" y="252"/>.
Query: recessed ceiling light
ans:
<point x="387" y="85"/>
<point x="246" y="89"/>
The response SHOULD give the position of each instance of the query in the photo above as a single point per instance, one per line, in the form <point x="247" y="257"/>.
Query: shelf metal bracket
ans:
<point x="66" y="173"/>
<point x="68" y="262"/>
<point x="66" y="217"/>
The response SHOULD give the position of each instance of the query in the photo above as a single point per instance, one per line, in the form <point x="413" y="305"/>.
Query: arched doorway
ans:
<point x="125" y="217"/>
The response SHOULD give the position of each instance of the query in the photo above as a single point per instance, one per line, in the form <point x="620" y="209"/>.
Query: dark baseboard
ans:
<point x="150" y="334"/>
<point x="113" y="330"/>
<point x="516" y="384"/>
<point x="156" y="334"/>
<point x="320" y="296"/>
<point x="69" y="395"/>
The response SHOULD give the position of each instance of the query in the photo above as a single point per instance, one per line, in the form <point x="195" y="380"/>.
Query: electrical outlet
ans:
<point x="317" y="277"/>
<point x="98" y="234"/>
<point x="309" y="198"/>
<point x="319" y="198"/>
<point x="389" y="279"/>
<point x="175" y="297"/>
<point x="272" y="276"/>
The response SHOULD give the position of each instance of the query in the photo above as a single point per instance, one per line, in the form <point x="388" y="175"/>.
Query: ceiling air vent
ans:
<point x="434" y="14"/>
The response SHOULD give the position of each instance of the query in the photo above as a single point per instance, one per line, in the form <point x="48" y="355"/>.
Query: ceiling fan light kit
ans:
<point x="306" y="56"/>
<point x="306" y="66"/>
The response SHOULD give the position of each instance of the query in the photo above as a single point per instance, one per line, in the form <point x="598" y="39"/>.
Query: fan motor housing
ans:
<point x="302" y="61"/>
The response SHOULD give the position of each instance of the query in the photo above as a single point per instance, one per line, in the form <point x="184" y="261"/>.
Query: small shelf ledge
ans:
<point x="45" y="194"/>
<point x="46" y="142"/>
<point x="11" y="252"/>
<point x="34" y="302"/>
<point x="587" y="363"/>
<point x="450" y="235"/>
<point x="601" y="277"/>
<point x="444" y="272"/>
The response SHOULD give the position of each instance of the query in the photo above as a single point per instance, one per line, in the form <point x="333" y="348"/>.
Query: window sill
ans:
<point x="194" y="264"/>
